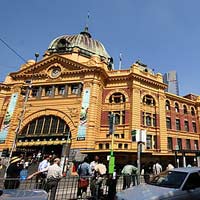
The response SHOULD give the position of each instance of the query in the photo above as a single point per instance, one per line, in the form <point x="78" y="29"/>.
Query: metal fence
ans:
<point x="67" y="187"/>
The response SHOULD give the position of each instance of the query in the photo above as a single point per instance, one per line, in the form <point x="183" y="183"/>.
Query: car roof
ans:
<point x="187" y="169"/>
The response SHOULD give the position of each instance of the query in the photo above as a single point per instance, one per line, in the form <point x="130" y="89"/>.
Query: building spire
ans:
<point x="87" y="22"/>
<point x="86" y="32"/>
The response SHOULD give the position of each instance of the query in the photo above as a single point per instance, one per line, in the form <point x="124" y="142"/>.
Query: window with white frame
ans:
<point x="167" y="105"/>
<point x="148" y="100"/>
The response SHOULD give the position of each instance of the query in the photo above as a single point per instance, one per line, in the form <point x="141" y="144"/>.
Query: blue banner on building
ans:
<point x="83" y="115"/>
<point x="7" y="119"/>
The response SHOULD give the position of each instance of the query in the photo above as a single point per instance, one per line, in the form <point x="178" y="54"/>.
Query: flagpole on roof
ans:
<point x="120" y="61"/>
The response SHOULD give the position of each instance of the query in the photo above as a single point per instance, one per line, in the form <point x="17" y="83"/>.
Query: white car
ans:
<point x="17" y="194"/>
<point x="176" y="184"/>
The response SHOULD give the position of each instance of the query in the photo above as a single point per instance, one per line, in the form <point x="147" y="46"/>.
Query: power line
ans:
<point x="13" y="50"/>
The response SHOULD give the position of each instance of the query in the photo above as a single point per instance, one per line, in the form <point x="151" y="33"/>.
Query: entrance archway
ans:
<point x="46" y="133"/>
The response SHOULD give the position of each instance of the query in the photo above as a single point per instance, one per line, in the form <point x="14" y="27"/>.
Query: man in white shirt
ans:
<point x="54" y="175"/>
<point x="157" y="168"/>
<point x="41" y="178"/>
<point x="94" y="163"/>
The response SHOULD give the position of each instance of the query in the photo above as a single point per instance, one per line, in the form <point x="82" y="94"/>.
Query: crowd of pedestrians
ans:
<point x="90" y="174"/>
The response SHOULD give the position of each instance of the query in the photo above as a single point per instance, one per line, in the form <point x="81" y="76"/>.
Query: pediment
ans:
<point x="46" y="67"/>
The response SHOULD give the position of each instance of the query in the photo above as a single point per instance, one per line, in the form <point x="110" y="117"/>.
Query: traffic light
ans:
<point x="111" y="123"/>
<point x="133" y="133"/>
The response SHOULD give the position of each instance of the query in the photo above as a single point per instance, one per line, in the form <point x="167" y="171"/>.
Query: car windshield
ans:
<point x="169" y="179"/>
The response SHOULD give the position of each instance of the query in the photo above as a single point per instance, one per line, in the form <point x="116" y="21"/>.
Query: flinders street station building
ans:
<point x="63" y="103"/>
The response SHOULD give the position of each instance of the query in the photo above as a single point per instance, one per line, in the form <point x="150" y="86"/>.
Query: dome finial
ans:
<point x="85" y="32"/>
<point x="87" y="22"/>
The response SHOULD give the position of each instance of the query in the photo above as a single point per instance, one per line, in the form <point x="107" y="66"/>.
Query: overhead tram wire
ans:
<point x="18" y="55"/>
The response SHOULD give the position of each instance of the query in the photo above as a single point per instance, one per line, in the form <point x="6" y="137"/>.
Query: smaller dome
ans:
<point x="87" y="45"/>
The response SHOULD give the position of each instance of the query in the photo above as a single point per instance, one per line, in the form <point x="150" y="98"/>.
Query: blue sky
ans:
<point x="164" y="34"/>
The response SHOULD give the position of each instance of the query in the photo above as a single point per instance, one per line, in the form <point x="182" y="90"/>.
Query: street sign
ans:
<point x="138" y="135"/>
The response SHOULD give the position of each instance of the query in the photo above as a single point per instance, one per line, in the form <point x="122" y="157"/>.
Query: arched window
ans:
<point x="117" y="98"/>
<point x="176" y="107"/>
<point x="167" y="105"/>
<point x="107" y="146"/>
<point x="148" y="100"/>
<point x="46" y="125"/>
<point x="184" y="109"/>
<point x="192" y="111"/>
<point x="100" y="146"/>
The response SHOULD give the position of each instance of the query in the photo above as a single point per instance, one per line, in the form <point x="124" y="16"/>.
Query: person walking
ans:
<point x="129" y="173"/>
<point x="157" y="168"/>
<point x="41" y="177"/>
<point x="83" y="171"/>
<point x="2" y="168"/>
<point x="13" y="173"/>
<point x="54" y="175"/>
<point x="94" y="163"/>
<point x="97" y="179"/>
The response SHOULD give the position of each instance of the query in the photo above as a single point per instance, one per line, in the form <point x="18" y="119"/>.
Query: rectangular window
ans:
<point x="35" y="92"/>
<point x="154" y="120"/>
<point x="194" y="126"/>
<point x="168" y="122"/>
<point x="61" y="89"/>
<point x="178" y="125"/>
<point x="148" y="119"/>
<point x="149" y="142"/>
<point x="196" y="145"/>
<point x="188" y="145"/>
<point x="74" y="89"/>
<point x="186" y="126"/>
<point x="179" y="141"/>
<point x="119" y="117"/>
<point x="169" y="143"/>
<point x="49" y="91"/>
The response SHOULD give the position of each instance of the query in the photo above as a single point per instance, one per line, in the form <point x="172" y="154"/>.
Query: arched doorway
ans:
<point x="46" y="134"/>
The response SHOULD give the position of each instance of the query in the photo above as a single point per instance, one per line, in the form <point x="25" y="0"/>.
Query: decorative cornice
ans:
<point x="30" y="71"/>
<point x="179" y="98"/>
<point x="4" y="86"/>
<point x="131" y="76"/>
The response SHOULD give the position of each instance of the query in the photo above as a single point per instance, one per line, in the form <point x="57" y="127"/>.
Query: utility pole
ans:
<point x="27" y="89"/>
<point x="66" y="152"/>
<point x="111" y="131"/>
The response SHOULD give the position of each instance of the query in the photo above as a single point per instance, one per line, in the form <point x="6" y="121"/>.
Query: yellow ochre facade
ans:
<point x="68" y="96"/>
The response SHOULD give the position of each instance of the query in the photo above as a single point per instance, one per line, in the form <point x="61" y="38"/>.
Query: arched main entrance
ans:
<point x="46" y="134"/>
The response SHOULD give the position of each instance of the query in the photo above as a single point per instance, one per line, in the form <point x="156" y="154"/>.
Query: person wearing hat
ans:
<point x="13" y="173"/>
<point x="54" y="174"/>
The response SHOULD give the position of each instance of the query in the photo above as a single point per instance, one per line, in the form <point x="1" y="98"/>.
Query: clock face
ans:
<point x="55" y="72"/>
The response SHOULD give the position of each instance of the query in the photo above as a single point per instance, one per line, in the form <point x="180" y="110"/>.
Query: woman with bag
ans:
<point x="83" y="171"/>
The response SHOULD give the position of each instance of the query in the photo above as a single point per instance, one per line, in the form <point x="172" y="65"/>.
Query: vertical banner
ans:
<point x="7" y="118"/>
<point x="83" y="115"/>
